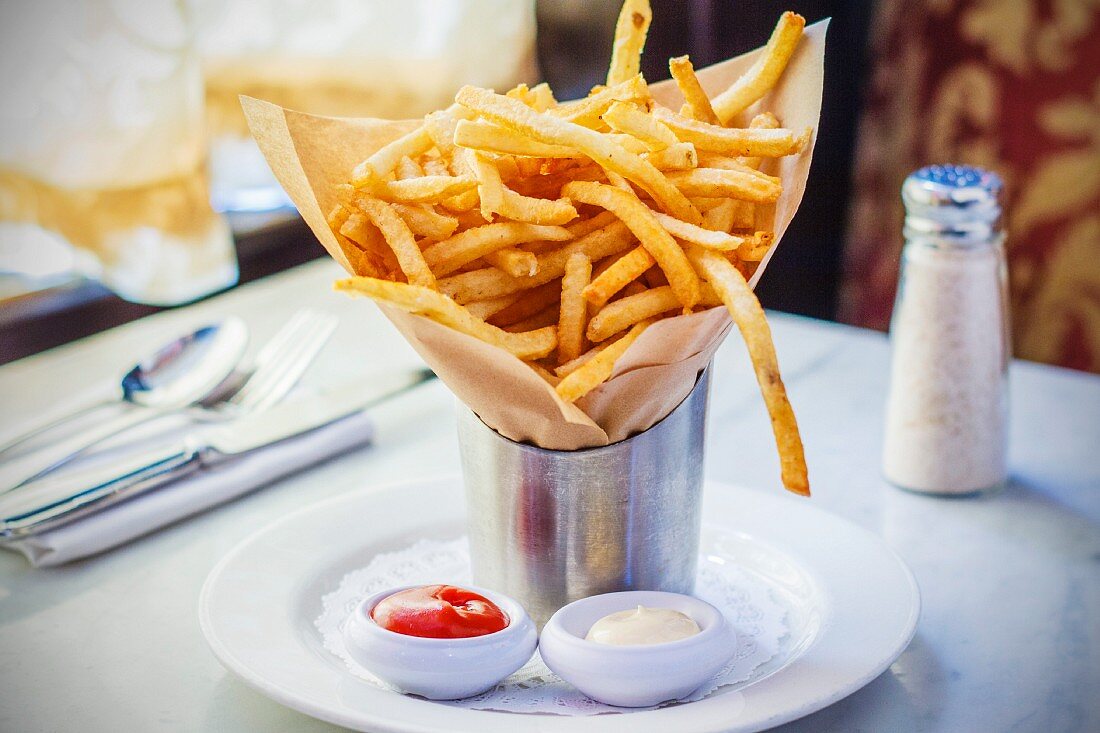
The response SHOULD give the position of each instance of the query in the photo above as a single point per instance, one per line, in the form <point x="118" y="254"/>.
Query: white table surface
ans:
<point x="1008" y="639"/>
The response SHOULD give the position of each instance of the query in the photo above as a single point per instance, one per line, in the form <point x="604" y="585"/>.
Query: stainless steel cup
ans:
<point x="548" y="527"/>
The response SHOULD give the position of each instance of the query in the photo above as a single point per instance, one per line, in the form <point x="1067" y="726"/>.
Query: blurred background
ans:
<point x="128" y="182"/>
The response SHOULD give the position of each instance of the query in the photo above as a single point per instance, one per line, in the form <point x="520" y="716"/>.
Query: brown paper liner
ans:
<point x="311" y="155"/>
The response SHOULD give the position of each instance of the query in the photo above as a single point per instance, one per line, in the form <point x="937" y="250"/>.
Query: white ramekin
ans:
<point x="636" y="676"/>
<point x="441" y="669"/>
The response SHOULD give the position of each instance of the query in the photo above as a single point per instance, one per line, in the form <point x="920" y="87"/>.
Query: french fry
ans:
<point x="623" y="271"/>
<point x="491" y="282"/>
<point x="534" y="210"/>
<point x="744" y="216"/>
<point x="573" y="319"/>
<point x="571" y="366"/>
<point x="695" y="99"/>
<point x="541" y="97"/>
<point x="647" y="229"/>
<point x="755" y="141"/>
<point x="601" y="266"/>
<point x="681" y="156"/>
<point x="340" y="213"/>
<point x="486" y="309"/>
<point x="447" y="256"/>
<point x="549" y="186"/>
<point x="764" y="120"/>
<point x="462" y="166"/>
<point x="619" y="182"/>
<point x="623" y="313"/>
<point x="547" y="129"/>
<point x="551" y="378"/>
<point x="377" y="166"/>
<point x="371" y="247"/>
<point x="599" y="221"/>
<point x="424" y="221"/>
<point x="356" y="227"/>
<point x="491" y="138"/>
<point x="363" y="260"/>
<point x="753" y="249"/>
<point x="490" y="189"/>
<point x="546" y="318"/>
<point x="599" y="368"/>
<point x="483" y="284"/>
<point x="586" y="112"/>
<point x="521" y="92"/>
<point x="730" y="285"/>
<point x="463" y="202"/>
<point x="429" y="189"/>
<point x="654" y="278"/>
<point x="469" y="219"/>
<point x="740" y="214"/>
<point x="610" y="240"/>
<point x="529" y="168"/>
<point x="723" y="162"/>
<point x="630" y="34"/>
<point x="629" y="119"/>
<point x="338" y="222"/>
<point x="720" y="218"/>
<point x="408" y="168"/>
<point x="706" y="203"/>
<point x="441" y="127"/>
<point x="436" y="167"/>
<point x="629" y="143"/>
<point x="507" y="166"/>
<point x="765" y="72"/>
<point x="707" y="238"/>
<point x="539" y="248"/>
<point x="728" y="183"/>
<point x="400" y="240"/>
<point x="415" y="299"/>
<point x="515" y="262"/>
<point x="528" y="303"/>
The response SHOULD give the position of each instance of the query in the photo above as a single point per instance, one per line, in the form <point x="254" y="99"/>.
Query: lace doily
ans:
<point x="745" y="599"/>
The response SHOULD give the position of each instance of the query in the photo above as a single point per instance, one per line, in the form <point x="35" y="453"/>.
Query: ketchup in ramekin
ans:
<point x="439" y="612"/>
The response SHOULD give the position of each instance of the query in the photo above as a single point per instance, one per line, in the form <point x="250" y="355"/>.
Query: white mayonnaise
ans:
<point x="642" y="626"/>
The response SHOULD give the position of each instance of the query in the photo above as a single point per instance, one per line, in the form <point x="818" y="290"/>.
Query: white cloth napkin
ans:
<point x="208" y="487"/>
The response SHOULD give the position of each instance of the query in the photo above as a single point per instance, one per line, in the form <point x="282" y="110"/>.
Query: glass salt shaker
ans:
<point x="947" y="411"/>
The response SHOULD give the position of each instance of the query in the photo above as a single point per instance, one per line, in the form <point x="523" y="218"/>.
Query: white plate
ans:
<point x="852" y="607"/>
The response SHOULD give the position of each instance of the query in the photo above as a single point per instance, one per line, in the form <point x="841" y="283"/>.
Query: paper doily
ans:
<point x="746" y="601"/>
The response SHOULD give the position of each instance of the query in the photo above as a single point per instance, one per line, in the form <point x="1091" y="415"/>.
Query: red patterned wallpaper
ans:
<point x="1013" y="85"/>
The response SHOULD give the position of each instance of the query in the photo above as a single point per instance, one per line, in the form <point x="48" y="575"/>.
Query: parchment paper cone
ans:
<point x="311" y="155"/>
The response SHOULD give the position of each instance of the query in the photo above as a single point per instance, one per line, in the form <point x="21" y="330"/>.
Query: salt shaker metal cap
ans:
<point x="956" y="204"/>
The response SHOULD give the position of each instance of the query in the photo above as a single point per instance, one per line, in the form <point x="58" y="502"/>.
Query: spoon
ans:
<point x="182" y="373"/>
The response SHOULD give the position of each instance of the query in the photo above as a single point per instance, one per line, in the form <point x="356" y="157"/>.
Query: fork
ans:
<point x="277" y="368"/>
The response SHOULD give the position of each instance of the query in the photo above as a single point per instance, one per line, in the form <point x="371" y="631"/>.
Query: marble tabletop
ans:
<point x="1008" y="639"/>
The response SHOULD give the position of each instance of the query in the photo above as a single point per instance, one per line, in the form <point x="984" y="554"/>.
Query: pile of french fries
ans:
<point x="560" y="231"/>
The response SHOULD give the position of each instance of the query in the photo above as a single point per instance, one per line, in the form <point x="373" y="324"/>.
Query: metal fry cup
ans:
<point x="548" y="527"/>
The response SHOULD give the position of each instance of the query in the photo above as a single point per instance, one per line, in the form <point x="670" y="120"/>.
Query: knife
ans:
<point x="51" y="502"/>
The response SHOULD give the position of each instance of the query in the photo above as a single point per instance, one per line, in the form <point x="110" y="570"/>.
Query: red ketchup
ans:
<point x="439" y="612"/>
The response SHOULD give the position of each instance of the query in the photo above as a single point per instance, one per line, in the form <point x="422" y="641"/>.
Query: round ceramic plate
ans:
<point x="851" y="603"/>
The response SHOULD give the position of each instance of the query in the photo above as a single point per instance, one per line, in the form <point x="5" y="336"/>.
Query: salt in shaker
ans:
<point x="947" y="409"/>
